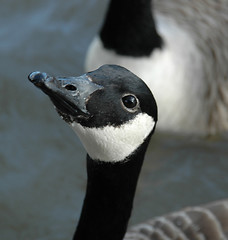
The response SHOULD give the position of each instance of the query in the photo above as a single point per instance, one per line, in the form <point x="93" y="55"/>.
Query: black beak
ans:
<point x="68" y="94"/>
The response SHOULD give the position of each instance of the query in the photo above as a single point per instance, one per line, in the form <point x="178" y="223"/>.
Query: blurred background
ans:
<point x="42" y="162"/>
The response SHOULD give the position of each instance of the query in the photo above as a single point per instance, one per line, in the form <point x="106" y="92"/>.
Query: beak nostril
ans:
<point x="70" y="87"/>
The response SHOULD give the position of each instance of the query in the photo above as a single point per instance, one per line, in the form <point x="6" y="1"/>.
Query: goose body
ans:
<point x="193" y="223"/>
<point x="180" y="49"/>
<point x="114" y="114"/>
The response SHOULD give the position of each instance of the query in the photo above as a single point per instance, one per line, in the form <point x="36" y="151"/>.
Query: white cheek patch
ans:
<point x="114" y="144"/>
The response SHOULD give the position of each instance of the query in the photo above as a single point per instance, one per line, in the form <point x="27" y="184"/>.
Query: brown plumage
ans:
<point x="206" y="222"/>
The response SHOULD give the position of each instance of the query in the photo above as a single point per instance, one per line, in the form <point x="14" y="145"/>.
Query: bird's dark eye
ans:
<point x="130" y="101"/>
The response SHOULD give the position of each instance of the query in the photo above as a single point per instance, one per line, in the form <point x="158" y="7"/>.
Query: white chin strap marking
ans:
<point x="114" y="144"/>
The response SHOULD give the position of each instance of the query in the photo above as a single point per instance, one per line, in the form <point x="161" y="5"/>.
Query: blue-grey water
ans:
<point x="42" y="163"/>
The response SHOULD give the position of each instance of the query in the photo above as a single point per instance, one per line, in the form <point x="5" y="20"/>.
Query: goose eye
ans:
<point x="130" y="101"/>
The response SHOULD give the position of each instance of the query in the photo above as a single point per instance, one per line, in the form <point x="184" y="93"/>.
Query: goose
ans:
<point x="114" y="114"/>
<point x="180" y="49"/>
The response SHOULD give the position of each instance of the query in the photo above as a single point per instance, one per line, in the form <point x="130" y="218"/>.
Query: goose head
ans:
<point x="111" y="109"/>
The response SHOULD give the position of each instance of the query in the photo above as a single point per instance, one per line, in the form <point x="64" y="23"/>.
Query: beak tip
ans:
<point x="37" y="77"/>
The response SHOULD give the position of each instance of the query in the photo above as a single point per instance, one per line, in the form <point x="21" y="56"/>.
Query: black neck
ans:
<point x="129" y="28"/>
<point x="109" y="197"/>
